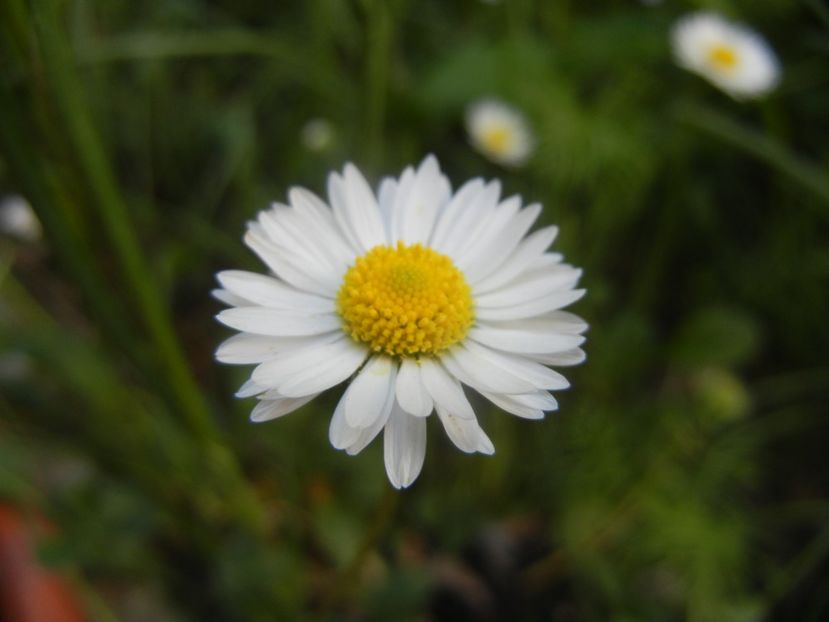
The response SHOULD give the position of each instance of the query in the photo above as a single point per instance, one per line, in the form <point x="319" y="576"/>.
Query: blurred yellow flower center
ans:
<point x="723" y="57"/>
<point x="496" y="139"/>
<point x="405" y="300"/>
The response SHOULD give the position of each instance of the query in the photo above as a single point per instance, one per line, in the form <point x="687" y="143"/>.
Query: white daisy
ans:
<point x="18" y="219"/>
<point x="499" y="131"/>
<point x="413" y="293"/>
<point x="729" y="55"/>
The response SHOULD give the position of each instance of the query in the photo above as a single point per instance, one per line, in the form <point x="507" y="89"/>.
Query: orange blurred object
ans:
<point x="28" y="591"/>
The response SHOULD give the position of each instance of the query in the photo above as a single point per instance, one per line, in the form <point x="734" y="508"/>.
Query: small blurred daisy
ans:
<point x="729" y="55"/>
<point x="499" y="132"/>
<point x="18" y="219"/>
<point x="317" y="135"/>
<point x="412" y="293"/>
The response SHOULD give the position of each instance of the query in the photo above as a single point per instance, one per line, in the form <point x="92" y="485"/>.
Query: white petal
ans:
<point x="267" y="291"/>
<point x="395" y="216"/>
<point x="249" y="389"/>
<point x="232" y="300"/>
<point x="404" y="445"/>
<point x="290" y="361"/>
<point x="367" y="393"/>
<point x="444" y="389"/>
<point x="339" y="206"/>
<point x="520" y="340"/>
<point x="543" y="400"/>
<point x="340" y="434"/>
<point x="312" y="369"/>
<point x="540" y="376"/>
<point x="492" y="243"/>
<point x="417" y="206"/>
<point x="311" y="206"/>
<point x="553" y="322"/>
<point x="527" y="406"/>
<point x="477" y="210"/>
<point x="385" y="199"/>
<point x="457" y="206"/>
<point x="551" y="302"/>
<point x="293" y="234"/>
<point x="466" y="434"/>
<point x="535" y="285"/>
<point x="366" y="435"/>
<point x="530" y="249"/>
<point x="411" y="392"/>
<point x="318" y="218"/>
<point x="488" y="256"/>
<point x="247" y="349"/>
<point x="481" y="373"/>
<point x="277" y="322"/>
<point x="483" y="232"/>
<point x="563" y="359"/>
<point x="266" y="410"/>
<point x="286" y="266"/>
<point x="355" y="208"/>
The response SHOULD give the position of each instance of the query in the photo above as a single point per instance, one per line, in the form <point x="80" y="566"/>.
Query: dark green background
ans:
<point x="684" y="477"/>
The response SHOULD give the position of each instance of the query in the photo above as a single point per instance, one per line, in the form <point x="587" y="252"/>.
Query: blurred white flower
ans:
<point x="18" y="219"/>
<point x="409" y="292"/>
<point x="729" y="55"/>
<point x="317" y="135"/>
<point x="499" y="131"/>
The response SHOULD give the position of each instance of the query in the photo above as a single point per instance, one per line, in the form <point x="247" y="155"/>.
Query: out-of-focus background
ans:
<point x="685" y="476"/>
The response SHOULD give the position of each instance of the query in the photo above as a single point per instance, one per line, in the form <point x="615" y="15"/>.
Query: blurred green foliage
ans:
<point x="685" y="477"/>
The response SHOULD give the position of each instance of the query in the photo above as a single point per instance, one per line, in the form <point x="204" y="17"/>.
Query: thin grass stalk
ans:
<point x="44" y="192"/>
<point x="58" y="65"/>
<point x="221" y="466"/>
<point x="379" y="31"/>
<point x="796" y="169"/>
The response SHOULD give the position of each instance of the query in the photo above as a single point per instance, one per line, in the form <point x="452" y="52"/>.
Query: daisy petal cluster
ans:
<point x="416" y="294"/>
<point x="730" y="56"/>
<point x="499" y="131"/>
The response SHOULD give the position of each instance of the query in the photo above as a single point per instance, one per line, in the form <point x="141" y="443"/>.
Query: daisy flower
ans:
<point x="413" y="293"/>
<point x="18" y="219"/>
<point x="730" y="56"/>
<point x="499" y="131"/>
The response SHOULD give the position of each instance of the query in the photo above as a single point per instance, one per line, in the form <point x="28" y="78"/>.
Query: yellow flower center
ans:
<point x="496" y="139"/>
<point x="722" y="57"/>
<point x="405" y="301"/>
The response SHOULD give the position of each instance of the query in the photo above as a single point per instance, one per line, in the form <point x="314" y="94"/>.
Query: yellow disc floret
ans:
<point x="405" y="301"/>
<point x="723" y="57"/>
<point x="497" y="139"/>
